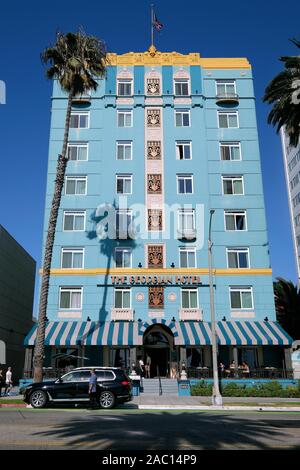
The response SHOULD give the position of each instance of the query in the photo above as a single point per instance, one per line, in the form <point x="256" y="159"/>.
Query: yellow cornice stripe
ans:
<point x="174" y="58"/>
<point x="159" y="272"/>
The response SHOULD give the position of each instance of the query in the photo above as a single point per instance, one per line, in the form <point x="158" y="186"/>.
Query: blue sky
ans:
<point x="257" y="30"/>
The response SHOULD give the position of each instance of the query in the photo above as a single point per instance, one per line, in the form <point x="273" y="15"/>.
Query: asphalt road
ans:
<point x="147" y="430"/>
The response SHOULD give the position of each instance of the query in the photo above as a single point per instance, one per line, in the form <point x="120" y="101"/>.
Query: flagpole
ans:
<point x="152" y="31"/>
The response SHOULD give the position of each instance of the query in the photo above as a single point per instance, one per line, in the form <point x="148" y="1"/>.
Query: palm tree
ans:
<point x="287" y="302"/>
<point x="76" y="60"/>
<point x="283" y="92"/>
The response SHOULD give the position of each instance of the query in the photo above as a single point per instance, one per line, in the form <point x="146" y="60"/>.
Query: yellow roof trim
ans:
<point x="152" y="58"/>
<point x="158" y="272"/>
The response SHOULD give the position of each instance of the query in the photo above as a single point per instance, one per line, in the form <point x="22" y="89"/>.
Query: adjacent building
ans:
<point x="165" y="138"/>
<point x="17" y="278"/>
<point x="291" y="159"/>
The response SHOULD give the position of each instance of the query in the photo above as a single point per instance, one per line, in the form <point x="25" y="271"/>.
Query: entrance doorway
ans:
<point x="158" y="344"/>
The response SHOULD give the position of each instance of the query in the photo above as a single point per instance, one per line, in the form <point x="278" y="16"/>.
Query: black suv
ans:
<point x="113" y="387"/>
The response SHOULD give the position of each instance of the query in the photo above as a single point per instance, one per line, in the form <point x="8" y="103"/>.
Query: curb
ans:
<point x="220" y="408"/>
<point x="12" y="405"/>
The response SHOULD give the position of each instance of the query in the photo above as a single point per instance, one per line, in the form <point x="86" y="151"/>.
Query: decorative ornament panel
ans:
<point x="153" y="118"/>
<point x="153" y="86"/>
<point x="154" y="219"/>
<point x="154" y="184"/>
<point x="156" y="297"/>
<point x="154" y="150"/>
<point x="155" y="256"/>
<point x="140" y="297"/>
<point x="172" y="296"/>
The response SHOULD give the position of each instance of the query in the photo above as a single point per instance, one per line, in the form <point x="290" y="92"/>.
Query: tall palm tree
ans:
<point x="287" y="302"/>
<point x="283" y="92"/>
<point x="76" y="60"/>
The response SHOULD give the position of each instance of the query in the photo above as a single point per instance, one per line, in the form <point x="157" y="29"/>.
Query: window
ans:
<point x="181" y="87"/>
<point x="124" y="118"/>
<point x="235" y="220"/>
<point x="230" y="151"/>
<point x="124" y="184"/>
<point x="78" y="151"/>
<point x="228" y="119"/>
<point x="241" y="298"/>
<point x="123" y="257"/>
<point x="72" y="258"/>
<point x="183" y="150"/>
<point x="187" y="257"/>
<point x="225" y="87"/>
<point x="122" y="298"/>
<point x="185" y="184"/>
<point x="238" y="258"/>
<point x="74" y="221"/>
<point x="79" y="120"/>
<point x="76" y="185"/>
<point x="186" y="220"/>
<point x="233" y="185"/>
<point x="123" y="223"/>
<point x="70" y="298"/>
<point x="189" y="298"/>
<point x="125" y="87"/>
<point x="124" y="150"/>
<point x="182" y="118"/>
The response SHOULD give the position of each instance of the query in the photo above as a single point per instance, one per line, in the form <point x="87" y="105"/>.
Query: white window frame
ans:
<point x="235" y="212"/>
<point x="73" y="250"/>
<point x="186" y="250"/>
<point x="123" y="289"/>
<point x="73" y="212"/>
<point x="181" y="111"/>
<point x="81" y="113"/>
<point x="230" y="144"/>
<point x="241" y="289"/>
<point x="126" y="176"/>
<point x="238" y="250"/>
<point x="236" y="113"/>
<point x="181" y="80"/>
<point x="75" y="177"/>
<point x="125" y="111"/>
<point x="128" y="143"/>
<point x="71" y="289"/>
<point x="185" y="176"/>
<point x="77" y="145"/>
<point x="186" y="211"/>
<point x="122" y="249"/>
<point x="195" y="289"/>
<point x="127" y="212"/>
<point x="187" y="143"/>
<point x="233" y="178"/>
<point x="225" y="82"/>
<point x="124" y="80"/>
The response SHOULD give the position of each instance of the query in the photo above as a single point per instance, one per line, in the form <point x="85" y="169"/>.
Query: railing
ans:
<point x="258" y="373"/>
<point x="186" y="234"/>
<point x="233" y="97"/>
<point x="190" y="314"/>
<point x="159" y="381"/>
<point x="126" y="314"/>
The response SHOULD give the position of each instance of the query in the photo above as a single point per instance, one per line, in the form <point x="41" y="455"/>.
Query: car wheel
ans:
<point x="107" y="400"/>
<point x="38" y="399"/>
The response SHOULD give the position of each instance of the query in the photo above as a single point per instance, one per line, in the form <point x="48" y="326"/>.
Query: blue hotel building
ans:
<point x="165" y="138"/>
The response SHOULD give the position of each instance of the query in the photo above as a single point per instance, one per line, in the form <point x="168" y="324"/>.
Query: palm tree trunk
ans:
<point x="39" y="349"/>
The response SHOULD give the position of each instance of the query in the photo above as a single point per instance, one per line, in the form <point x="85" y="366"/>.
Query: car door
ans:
<point x="83" y="385"/>
<point x="65" y="388"/>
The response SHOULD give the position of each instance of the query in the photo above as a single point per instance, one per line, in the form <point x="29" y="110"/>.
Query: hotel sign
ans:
<point x="156" y="280"/>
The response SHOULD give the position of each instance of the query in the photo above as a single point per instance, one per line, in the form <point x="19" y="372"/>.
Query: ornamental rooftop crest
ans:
<point x="154" y="57"/>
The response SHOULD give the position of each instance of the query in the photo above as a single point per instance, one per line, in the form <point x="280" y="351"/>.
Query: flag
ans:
<point x="157" y="25"/>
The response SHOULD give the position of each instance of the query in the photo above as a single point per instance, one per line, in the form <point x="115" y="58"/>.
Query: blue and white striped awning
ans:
<point x="186" y="333"/>
<point x="72" y="333"/>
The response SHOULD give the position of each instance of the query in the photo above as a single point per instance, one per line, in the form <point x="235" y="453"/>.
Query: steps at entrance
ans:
<point x="151" y="386"/>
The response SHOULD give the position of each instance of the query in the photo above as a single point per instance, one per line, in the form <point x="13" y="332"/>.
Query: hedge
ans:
<point x="268" y="389"/>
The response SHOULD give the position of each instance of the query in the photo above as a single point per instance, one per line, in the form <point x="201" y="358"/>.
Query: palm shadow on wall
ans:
<point x="107" y="247"/>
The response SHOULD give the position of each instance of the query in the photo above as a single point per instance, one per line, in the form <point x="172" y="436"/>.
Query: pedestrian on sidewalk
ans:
<point x="141" y="366"/>
<point x="2" y="382"/>
<point x="148" y="366"/>
<point x="8" y="381"/>
<point x="93" y="390"/>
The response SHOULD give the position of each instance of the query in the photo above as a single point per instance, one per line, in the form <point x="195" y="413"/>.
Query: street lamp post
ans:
<point x="216" y="397"/>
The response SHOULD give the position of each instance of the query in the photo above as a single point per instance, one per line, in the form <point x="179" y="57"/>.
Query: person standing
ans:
<point x="148" y="366"/>
<point x="8" y="381"/>
<point x="93" y="390"/>
<point x="141" y="367"/>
